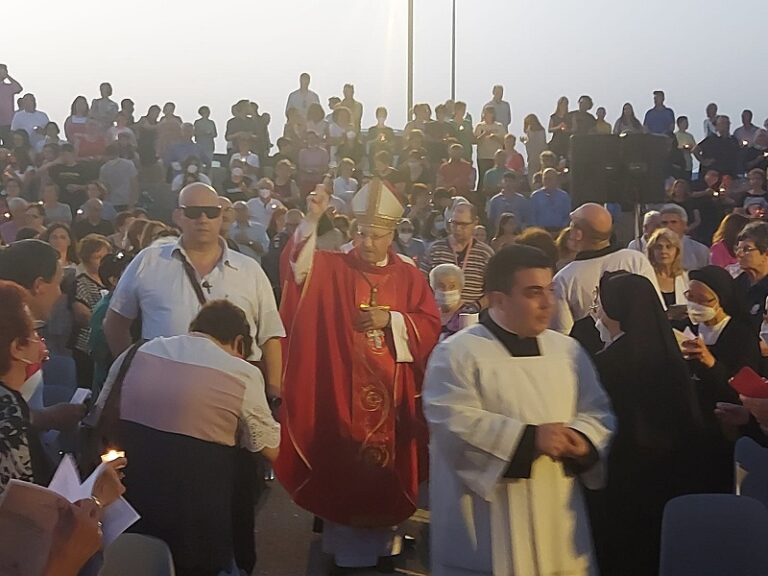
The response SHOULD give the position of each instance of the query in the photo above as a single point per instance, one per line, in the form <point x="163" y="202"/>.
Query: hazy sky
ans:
<point x="214" y="53"/>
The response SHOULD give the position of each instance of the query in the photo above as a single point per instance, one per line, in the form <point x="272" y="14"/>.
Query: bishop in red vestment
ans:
<point x="360" y="328"/>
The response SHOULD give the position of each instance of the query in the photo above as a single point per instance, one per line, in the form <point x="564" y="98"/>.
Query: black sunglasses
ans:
<point x="195" y="212"/>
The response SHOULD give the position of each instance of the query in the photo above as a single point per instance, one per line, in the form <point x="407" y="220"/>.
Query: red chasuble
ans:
<point x="354" y="441"/>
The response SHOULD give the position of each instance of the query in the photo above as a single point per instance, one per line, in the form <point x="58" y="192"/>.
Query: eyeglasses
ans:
<point x="460" y="224"/>
<point x="745" y="250"/>
<point x="195" y="212"/>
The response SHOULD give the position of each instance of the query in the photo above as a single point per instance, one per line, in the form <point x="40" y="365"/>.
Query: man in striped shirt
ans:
<point x="463" y="250"/>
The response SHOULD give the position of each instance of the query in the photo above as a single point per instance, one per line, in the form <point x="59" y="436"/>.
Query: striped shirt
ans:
<point x="473" y="261"/>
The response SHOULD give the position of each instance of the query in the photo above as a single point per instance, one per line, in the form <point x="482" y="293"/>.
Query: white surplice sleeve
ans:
<point x="562" y="320"/>
<point x="594" y="416"/>
<point x="304" y="242"/>
<point x="479" y="444"/>
<point x="400" y="336"/>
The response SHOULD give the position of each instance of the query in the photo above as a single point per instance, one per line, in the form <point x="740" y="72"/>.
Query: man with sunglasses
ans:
<point x="361" y="327"/>
<point x="167" y="286"/>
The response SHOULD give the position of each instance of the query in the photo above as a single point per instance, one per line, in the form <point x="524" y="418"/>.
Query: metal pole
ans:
<point x="410" y="59"/>
<point x="453" y="53"/>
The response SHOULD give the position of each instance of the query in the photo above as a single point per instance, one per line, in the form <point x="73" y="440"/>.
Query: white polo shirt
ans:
<point x="155" y="285"/>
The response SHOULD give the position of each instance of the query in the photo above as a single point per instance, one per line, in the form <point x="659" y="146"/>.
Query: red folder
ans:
<point x="749" y="383"/>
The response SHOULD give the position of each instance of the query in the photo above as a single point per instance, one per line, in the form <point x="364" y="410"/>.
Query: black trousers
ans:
<point x="84" y="366"/>
<point x="5" y="136"/>
<point x="249" y="487"/>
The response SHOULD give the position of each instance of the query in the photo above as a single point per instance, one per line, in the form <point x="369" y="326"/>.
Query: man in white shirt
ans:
<point x="503" y="111"/>
<point x="156" y="285"/>
<point x="695" y="254"/>
<point x="251" y="237"/>
<point x="302" y="98"/>
<point x="651" y="223"/>
<point x="591" y="231"/>
<point x="121" y="178"/>
<point x="262" y="207"/>
<point x="30" y="119"/>
<point x="344" y="185"/>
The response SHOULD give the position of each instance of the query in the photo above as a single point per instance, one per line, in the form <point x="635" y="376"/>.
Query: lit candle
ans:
<point x="112" y="455"/>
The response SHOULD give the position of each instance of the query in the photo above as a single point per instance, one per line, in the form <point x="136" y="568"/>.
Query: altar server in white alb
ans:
<point x="516" y="415"/>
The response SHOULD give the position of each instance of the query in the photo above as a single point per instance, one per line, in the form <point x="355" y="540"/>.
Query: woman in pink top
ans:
<point x="515" y="160"/>
<point x="724" y="241"/>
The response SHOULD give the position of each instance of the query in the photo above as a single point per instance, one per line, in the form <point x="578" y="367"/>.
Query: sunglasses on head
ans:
<point x="195" y="212"/>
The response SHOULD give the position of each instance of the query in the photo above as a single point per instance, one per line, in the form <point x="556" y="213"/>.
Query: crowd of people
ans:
<point x="326" y="281"/>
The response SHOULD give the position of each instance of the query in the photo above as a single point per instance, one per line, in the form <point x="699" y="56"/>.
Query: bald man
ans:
<point x="591" y="230"/>
<point x="156" y="284"/>
<point x="167" y="285"/>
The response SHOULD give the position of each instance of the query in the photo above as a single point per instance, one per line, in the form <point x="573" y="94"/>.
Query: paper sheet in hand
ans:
<point x="683" y="336"/>
<point x="116" y="518"/>
<point x="80" y="396"/>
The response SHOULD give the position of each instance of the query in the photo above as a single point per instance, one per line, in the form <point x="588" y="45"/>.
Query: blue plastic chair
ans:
<point x="714" y="535"/>
<point x="137" y="555"/>
<point x="60" y="371"/>
<point x="751" y="461"/>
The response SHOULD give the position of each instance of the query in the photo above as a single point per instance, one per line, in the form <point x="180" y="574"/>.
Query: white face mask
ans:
<point x="439" y="225"/>
<point x="764" y="332"/>
<point x="447" y="298"/>
<point x="265" y="193"/>
<point x="350" y="135"/>
<point x="405" y="237"/>
<point x="698" y="313"/>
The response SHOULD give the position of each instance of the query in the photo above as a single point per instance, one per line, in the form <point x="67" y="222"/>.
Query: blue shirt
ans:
<point x="492" y="179"/>
<point x="516" y="204"/>
<point x="660" y="121"/>
<point x="550" y="208"/>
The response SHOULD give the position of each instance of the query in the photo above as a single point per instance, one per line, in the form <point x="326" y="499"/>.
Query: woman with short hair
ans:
<point x="189" y="403"/>
<point x="665" y="252"/>
<point x="723" y="250"/>
<point x="447" y="282"/>
<point x="88" y="291"/>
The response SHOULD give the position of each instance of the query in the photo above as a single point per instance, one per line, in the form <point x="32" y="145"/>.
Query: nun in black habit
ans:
<point x="643" y="371"/>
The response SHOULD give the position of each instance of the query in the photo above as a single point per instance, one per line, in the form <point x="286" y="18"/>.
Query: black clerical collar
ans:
<point x="590" y="254"/>
<point x="515" y="345"/>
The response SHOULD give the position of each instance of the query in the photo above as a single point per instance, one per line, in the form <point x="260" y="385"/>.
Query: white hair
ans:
<point x="445" y="271"/>
<point x="17" y="204"/>
<point x="675" y="209"/>
<point x="650" y="215"/>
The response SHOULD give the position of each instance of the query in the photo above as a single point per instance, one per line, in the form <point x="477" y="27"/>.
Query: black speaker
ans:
<point x="623" y="169"/>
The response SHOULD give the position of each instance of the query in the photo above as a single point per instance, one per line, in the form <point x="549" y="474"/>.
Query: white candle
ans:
<point x="112" y="455"/>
